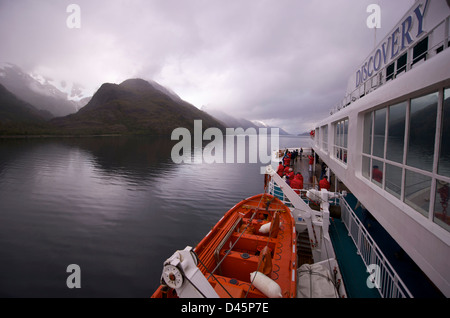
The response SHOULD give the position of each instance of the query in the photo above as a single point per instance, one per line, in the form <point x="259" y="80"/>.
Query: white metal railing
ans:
<point x="381" y="77"/>
<point x="388" y="283"/>
<point x="276" y="191"/>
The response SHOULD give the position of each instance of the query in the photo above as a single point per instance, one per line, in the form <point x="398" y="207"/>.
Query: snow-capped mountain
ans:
<point x="60" y="99"/>
<point x="73" y="91"/>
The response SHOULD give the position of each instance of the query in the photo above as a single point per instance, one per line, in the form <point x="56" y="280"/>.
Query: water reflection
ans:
<point x="396" y="132"/>
<point x="445" y="145"/>
<point x="422" y="130"/>
<point x="116" y="206"/>
<point x="134" y="158"/>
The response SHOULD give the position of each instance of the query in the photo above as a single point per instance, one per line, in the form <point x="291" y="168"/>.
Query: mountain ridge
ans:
<point x="234" y="122"/>
<point x="134" y="106"/>
<point x="19" y="117"/>
<point x="38" y="91"/>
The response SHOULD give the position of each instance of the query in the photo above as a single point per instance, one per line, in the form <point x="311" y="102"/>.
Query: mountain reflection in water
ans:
<point x="116" y="206"/>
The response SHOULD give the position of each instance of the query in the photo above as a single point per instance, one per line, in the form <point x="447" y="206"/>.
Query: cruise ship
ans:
<point x="388" y="144"/>
<point x="382" y="227"/>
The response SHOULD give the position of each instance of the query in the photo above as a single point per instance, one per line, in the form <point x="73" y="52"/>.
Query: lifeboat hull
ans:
<point x="256" y="235"/>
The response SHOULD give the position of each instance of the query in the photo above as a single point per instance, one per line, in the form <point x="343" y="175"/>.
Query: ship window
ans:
<point x="316" y="136"/>
<point x="366" y="167"/>
<point x="417" y="191"/>
<point x="367" y="144"/>
<point x="394" y="180"/>
<point x="444" y="155"/>
<point x="345" y="134"/>
<point x="422" y="131"/>
<point x="377" y="172"/>
<point x="406" y="164"/>
<point x="379" y="132"/>
<point x="441" y="214"/>
<point x="401" y="63"/>
<point x="420" y="51"/>
<point x="325" y="137"/>
<point x="396" y="132"/>
<point x="340" y="140"/>
<point x="390" y="71"/>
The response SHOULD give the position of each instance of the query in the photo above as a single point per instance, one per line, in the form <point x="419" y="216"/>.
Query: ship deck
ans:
<point x="416" y="281"/>
<point x="351" y="264"/>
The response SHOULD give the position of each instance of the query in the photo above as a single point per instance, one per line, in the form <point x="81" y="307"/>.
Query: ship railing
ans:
<point x="385" y="278"/>
<point x="382" y="77"/>
<point x="276" y="191"/>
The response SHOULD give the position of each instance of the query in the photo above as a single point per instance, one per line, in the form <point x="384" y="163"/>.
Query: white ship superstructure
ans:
<point x="388" y="141"/>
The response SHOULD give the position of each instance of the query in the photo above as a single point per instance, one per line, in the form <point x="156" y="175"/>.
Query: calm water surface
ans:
<point x="116" y="206"/>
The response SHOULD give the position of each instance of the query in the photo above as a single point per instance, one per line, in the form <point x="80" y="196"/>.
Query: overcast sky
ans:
<point x="285" y="62"/>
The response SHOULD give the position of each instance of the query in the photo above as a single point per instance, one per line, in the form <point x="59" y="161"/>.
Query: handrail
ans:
<point x="367" y="87"/>
<point x="391" y="285"/>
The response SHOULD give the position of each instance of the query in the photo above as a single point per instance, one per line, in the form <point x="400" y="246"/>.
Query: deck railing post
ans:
<point x="391" y="284"/>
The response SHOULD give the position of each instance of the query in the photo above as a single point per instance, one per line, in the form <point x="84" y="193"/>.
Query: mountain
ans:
<point x="18" y="117"/>
<point x="41" y="92"/>
<point x="233" y="122"/>
<point x="228" y="120"/>
<point x="135" y="106"/>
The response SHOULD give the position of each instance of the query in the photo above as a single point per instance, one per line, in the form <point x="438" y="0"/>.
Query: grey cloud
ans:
<point x="283" y="61"/>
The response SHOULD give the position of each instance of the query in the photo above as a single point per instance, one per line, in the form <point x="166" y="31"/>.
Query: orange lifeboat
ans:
<point x="256" y="238"/>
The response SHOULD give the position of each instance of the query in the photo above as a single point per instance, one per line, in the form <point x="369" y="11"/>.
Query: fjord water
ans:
<point x="116" y="206"/>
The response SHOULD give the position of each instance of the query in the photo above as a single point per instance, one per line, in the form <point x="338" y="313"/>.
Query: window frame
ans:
<point x="340" y="140"/>
<point x="368" y="157"/>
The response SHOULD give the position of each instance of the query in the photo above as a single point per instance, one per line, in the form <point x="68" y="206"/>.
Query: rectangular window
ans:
<point x="396" y="132"/>
<point x="394" y="180"/>
<point x="417" y="191"/>
<point x="401" y="63"/>
<point x="338" y="134"/>
<point x="444" y="154"/>
<point x="366" y="167"/>
<point x="379" y="132"/>
<point x="340" y="140"/>
<point x="317" y="136"/>
<point x="398" y="153"/>
<point x="367" y="143"/>
<point x="420" y="51"/>
<point x="441" y="209"/>
<point x="422" y="131"/>
<point x="377" y="172"/>
<point x="325" y="138"/>
<point x="390" y="71"/>
<point x="345" y="134"/>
